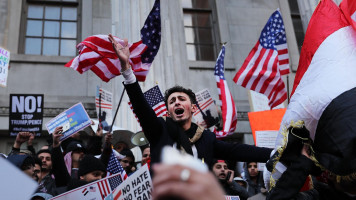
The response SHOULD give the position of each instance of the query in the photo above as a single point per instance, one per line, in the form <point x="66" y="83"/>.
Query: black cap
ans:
<point x="89" y="164"/>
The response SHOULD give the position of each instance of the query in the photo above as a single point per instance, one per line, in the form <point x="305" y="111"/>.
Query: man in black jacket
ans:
<point x="177" y="129"/>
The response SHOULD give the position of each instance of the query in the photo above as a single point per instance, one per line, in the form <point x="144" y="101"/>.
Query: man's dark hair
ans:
<point x="28" y="163"/>
<point x="38" y="161"/>
<point x="44" y="151"/>
<point x="178" y="88"/>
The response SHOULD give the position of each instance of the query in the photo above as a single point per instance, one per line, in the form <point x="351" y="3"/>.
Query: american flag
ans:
<point x="228" y="107"/>
<point x="97" y="54"/>
<point x="232" y="197"/>
<point x="107" y="186"/>
<point x="267" y="61"/>
<point x="155" y="99"/>
<point x="115" y="167"/>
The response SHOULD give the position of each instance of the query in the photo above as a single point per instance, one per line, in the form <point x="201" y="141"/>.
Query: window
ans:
<point x="199" y="30"/>
<point x="50" y="27"/>
<point x="297" y="22"/>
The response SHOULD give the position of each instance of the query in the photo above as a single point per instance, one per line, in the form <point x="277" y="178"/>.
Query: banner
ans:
<point x="4" y="66"/>
<point x="73" y="120"/>
<point x="138" y="186"/>
<point x="104" y="98"/>
<point x="207" y="114"/>
<point x="26" y="113"/>
<point x="97" y="190"/>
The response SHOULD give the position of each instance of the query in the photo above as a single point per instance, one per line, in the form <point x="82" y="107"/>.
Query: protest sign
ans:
<point x="138" y="186"/>
<point x="259" y="102"/>
<point x="4" y="66"/>
<point x="26" y="113"/>
<point x="14" y="184"/>
<point x="73" y="120"/>
<point x="207" y="114"/>
<point x="103" y="100"/>
<point x="265" y="126"/>
<point x="232" y="197"/>
<point x="97" y="190"/>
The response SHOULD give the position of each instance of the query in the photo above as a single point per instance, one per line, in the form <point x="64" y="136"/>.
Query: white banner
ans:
<point x="138" y="186"/>
<point x="4" y="66"/>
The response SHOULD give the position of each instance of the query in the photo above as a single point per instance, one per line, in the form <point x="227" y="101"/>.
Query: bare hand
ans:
<point x="108" y="138"/>
<point x="99" y="131"/>
<point x="122" y="51"/>
<point x="32" y="137"/>
<point x="306" y="151"/>
<point x="167" y="183"/>
<point x="21" y="138"/>
<point x="231" y="177"/>
<point x="56" y="136"/>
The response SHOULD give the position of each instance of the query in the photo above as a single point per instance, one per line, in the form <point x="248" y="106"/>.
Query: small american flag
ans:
<point x="108" y="185"/>
<point x="267" y="61"/>
<point x="228" y="107"/>
<point x="232" y="197"/>
<point x="115" y="167"/>
<point x="97" y="54"/>
<point x="155" y="99"/>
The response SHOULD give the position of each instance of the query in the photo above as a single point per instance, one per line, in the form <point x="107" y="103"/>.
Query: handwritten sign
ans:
<point x="73" y="120"/>
<point x="4" y="66"/>
<point x="26" y="113"/>
<point x="138" y="186"/>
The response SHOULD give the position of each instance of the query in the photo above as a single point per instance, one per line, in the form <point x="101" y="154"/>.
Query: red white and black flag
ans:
<point x="97" y="54"/>
<point x="324" y="92"/>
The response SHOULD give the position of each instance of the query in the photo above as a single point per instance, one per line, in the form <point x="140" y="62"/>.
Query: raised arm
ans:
<point x="150" y="123"/>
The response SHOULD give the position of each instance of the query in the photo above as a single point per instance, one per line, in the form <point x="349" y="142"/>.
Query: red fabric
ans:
<point x="321" y="25"/>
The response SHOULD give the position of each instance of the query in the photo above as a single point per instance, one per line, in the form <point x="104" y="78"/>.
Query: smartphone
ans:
<point x="228" y="175"/>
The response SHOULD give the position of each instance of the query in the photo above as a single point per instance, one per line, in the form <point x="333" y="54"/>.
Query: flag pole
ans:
<point x="288" y="87"/>
<point x="117" y="109"/>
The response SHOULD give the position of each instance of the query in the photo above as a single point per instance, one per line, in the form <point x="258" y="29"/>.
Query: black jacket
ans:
<point x="161" y="132"/>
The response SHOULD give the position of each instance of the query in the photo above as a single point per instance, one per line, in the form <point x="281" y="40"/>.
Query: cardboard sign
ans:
<point x="4" y="66"/>
<point x="138" y="186"/>
<point x="105" y="99"/>
<point x="26" y="113"/>
<point x="207" y="114"/>
<point x="97" y="190"/>
<point x="259" y="102"/>
<point x="73" y="120"/>
<point x="14" y="184"/>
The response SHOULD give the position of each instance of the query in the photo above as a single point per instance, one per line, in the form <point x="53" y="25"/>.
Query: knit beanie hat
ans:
<point x="89" y="164"/>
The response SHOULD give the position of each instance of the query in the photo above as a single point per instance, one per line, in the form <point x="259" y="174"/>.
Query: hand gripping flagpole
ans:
<point x="117" y="109"/>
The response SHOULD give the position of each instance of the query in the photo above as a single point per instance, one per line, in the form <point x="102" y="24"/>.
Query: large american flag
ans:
<point x="97" y="54"/>
<point x="228" y="107"/>
<point x="155" y="99"/>
<point x="267" y="61"/>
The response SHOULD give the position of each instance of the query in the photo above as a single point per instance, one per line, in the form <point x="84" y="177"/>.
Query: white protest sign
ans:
<point x="4" y="66"/>
<point x="259" y="102"/>
<point x="207" y="114"/>
<point x="97" y="190"/>
<point x="265" y="139"/>
<point x="14" y="184"/>
<point x="138" y="186"/>
<point x="103" y="100"/>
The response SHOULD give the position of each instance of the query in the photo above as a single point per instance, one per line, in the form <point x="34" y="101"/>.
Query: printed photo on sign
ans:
<point x="4" y="66"/>
<point x="103" y="103"/>
<point x="207" y="114"/>
<point x="73" y="120"/>
<point x="26" y="113"/>
<point x="137" y="186"/>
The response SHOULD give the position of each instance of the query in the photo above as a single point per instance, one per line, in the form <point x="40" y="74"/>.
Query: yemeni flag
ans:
<point x="324" y="93"/>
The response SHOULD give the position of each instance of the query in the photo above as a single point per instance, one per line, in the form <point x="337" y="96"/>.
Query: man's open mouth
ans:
<point x="179" y="111"/>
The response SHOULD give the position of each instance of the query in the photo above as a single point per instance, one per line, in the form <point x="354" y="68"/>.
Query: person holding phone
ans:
<point x="225" y="177"/>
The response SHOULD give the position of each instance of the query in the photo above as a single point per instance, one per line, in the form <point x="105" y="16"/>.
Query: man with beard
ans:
<point x="225" y="177"/>
<point x="177" y="129"/>
<point x="46" y="184"/>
